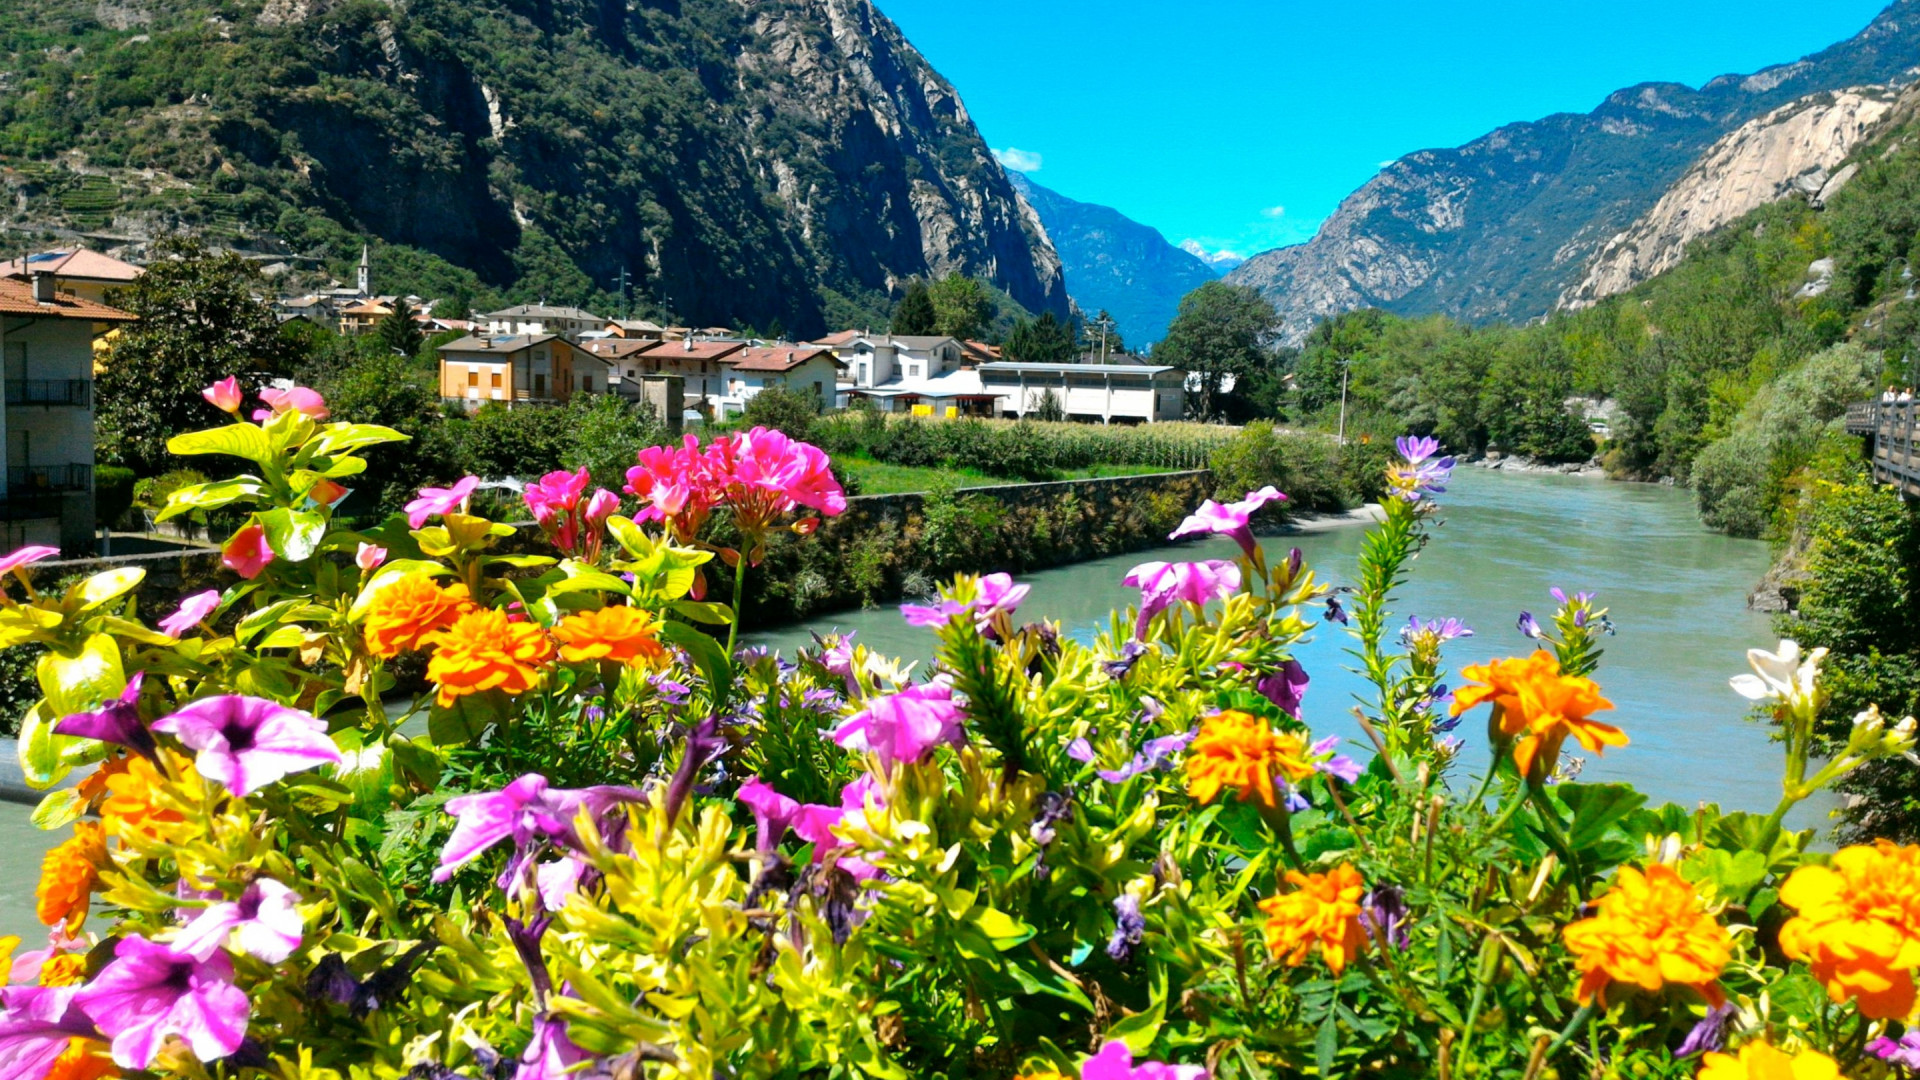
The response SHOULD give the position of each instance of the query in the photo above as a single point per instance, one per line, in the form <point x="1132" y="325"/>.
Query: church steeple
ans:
<point x="366" y="275"/>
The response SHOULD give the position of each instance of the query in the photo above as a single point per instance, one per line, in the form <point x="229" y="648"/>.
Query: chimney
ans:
<point x="686" y="343"/>
<point x="43" y="289"/>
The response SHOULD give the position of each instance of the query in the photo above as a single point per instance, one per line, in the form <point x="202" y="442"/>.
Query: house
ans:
<point x="362" y="318"/>
<point x="703" y="364"/>
<point x="923" y="374"/>
<point x="533" y="320"/>
<point x="85" y="273"/>
<point x="621" y="362"/>
<point x="979" y="352"/>
<point x="804" y="369"/>
<point x="1143" y="393"/>
<point x="636" y="329"/>
<point x="514" y="369"/>
<point x="46" y="429"/>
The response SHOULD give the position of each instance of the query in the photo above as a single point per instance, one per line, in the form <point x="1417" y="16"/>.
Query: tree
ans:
<point x="199" y="323"/>
<point x="914" y="314"/>
<point x="398" y="333"/>
<point x="1102" y="333"/>
<point x="1044" y="340"/>
<point x="785" y="410"/>
<point x="1221" y="331"/>
<point x="962" y="308"/>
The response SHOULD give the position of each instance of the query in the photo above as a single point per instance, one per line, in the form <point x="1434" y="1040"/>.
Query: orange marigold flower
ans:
<point x="1239" y="749"/>
<point x="1761" y="1061"/>
<point x="1537" y="705"/>
<point x="1322" y="909"/>
<point x="624" y="635"/>
<point x="64" y="969"/>
<point x="68" y="874"/>
<point x="94" y="784"/>
<point x="1858" y="926"/>
<point x="134" y="806"/>
<point x="83" y="1059"/>
<point x="1651" y="930"/>
<point x="405" y="614"/>
<point x="482" y="651"/>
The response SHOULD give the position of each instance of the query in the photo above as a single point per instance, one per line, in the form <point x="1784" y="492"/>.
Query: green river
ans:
<point x="1677" y="595"/>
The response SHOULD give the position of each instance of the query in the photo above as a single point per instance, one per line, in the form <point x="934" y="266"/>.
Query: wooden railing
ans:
<point x="1895" y="428"/>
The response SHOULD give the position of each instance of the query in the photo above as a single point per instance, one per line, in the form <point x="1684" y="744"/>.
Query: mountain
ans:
<point x="786" y="161"/>
<point x="1794" y="148"/>
<point x="1222" y="261"/>
<point x="1499" y="228"/>
<point x="1116" y="264"/>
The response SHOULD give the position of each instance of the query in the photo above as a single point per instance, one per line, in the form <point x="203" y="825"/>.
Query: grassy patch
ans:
<point x="875" y="478"/>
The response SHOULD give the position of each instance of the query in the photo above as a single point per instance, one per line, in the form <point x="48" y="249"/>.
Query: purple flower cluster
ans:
<point x="1421" y="474"/>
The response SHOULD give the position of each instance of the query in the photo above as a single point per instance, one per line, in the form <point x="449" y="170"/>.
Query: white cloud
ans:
<point x="1274" y="212"/>
<point x="1018" y="160"/>
<point x="1223" y="259"/>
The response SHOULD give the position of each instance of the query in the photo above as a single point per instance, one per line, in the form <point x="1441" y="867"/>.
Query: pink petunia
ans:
<point x="1115" y="1062"/>
<point x="1161" y="584"/>
<point x="247" y="551"/>
<point x="550" y="1055"/>
<point x="369" y="556"/>
<point x="523" y="811"/>
<point x="37" y="1025"/>
<point x="193" y="611"/>
<point x="224" y="395"/>
<point x="904" y="726"/>
<point x="246" y="743"/>
<point x="440" y="501"/>
<point x="26" y="556"/>
<point x="814" y="823"/>
<point x="263" y="923"/>
<point x="1229" y="519"/>
<point x="152" y="991"/>
<point x="772" y="812"/>
<point x="558" y="880"/>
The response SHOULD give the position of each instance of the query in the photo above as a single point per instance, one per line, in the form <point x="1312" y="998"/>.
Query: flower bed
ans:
<point x="623" y="848"/>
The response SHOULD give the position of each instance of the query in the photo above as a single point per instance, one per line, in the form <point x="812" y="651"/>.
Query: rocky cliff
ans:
<point x="1499" y="228"/>
<point x="1795" y="148"/>
<point x="781" y="161"/>
<point x="1116" y="264"/>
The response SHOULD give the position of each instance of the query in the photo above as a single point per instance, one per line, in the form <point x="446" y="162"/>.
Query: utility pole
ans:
<point x="1345" y="365"/>
<point x="626" y="298"/>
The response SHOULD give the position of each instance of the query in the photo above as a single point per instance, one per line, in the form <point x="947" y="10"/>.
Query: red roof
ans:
<point x="78" y="263"/>
<point x="617" y="348"/>
<point x="779" y="357"/>
<point x="692" y="350"/>
<point x="844" y="337"/>
<point x="16" y="298"/>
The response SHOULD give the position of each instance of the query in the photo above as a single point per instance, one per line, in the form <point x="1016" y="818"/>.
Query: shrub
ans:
<point x="783" y="410"/>
<point x="112" y="494"/>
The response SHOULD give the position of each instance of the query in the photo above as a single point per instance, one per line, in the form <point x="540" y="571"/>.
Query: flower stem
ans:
<point x="739" y="590"/>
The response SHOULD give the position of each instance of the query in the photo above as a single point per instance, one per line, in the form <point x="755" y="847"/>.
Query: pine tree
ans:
<point x="915" y="314"/>
<point x="398" y="332"/>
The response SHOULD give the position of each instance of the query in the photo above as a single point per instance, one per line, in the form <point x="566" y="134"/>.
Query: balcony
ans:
<point x="25" y="479"/>
<point x="29" y="506"/>
<point x="77" y="393"/>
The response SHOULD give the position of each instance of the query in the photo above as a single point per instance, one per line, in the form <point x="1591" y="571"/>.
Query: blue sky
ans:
<point x="1242" y="123"/>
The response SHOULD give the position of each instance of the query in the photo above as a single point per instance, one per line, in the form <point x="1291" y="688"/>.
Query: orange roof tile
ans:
<point x="16" y="298"/>
<point x="779" y="357"/>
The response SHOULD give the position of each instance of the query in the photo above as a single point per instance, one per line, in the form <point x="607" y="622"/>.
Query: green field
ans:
<point x="875" y="478"/>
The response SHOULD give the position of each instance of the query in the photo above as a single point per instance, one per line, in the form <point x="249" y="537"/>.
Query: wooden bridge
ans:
<point x="1894" y="428"/>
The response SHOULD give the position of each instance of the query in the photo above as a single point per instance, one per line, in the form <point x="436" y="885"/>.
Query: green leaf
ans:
<point x="80" y="681"/>
<point x="1732" y="874"/>
<point x="708" y="656"/>
<point x="58" y="809"/>
<point x="1326" y="1044"/>
<point x="466" y="720"/>
<point x="39" y="748"/>
<point x="1002" y="929"/>
<point x="387" y="574"/>
<point x="236" y="440"/>
<point x="343" y="438"/>
<point x="19" y="623"/>
<point x="101" y="588"/>
<point x="587" y="581"/>
<point x="294" y="534"/>
<point x="209" y="496"/>
<point x="269" y="616"/>
<point x="703" y="612"/>
<point x="1596" y="807"/>
<point x="1139" y="1030"/>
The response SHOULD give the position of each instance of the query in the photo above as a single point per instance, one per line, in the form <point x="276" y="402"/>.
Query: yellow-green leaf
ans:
<point x="39" y="749"/>
<point x="80" y="681"/>
<point x="235" y="440"/>
<point x="101" y="588"/>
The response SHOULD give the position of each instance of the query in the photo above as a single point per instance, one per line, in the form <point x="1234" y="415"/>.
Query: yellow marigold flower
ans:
<point x="68" y="874"/>
<point x="7" y="945"/>
<point x="483" y="650"/>
<point x="64" y="969"/>
<point x="1322" y="909"/>
<point x="404" y="614"/>
<point x="1858" y="926"/>
<point x="1760" y="1061"/>
<point x="1239" y="749"/>
<point x="1539" y="707"/>
<point x="83" y="1059"/>
<point x="133" y="806"/>
<point x="1651" y="930"/>
<point x="624" y="635"/>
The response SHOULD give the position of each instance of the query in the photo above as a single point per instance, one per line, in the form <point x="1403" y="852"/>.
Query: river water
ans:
<point x="1677" y="595"/>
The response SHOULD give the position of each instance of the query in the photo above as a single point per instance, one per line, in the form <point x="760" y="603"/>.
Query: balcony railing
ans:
<point x="22" y="479"/>
<point x="74" y="392"/>
<point x="17" y="506"/>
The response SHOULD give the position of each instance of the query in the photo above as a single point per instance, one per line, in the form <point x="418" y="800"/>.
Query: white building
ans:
<point x="805" y="369"/>
<point x="533" y="320"/>
<point x="922" y="374"/>
<point x="1144" y="393"/>
<point x="46" y="429"/>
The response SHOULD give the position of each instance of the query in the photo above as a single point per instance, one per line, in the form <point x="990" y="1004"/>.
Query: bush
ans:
<point x="112" y="495"/>
<point x="1308" y="467"/>
<point x="784" y="410"/>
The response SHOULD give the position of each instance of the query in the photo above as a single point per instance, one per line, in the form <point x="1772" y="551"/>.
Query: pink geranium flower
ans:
<point x="299" y="399"/>
<point x="246" y="743"/>
<point x="772" y="472"/>
<point x="676" y="486"/>
<point x="440" y="501"/>
<point x="1161" y="584"/>
<point x="524" y="811"/>
<point x="224" y="395"/>
<point x="571" y="520"/>
<point x="25" y="556"/>
<point x="772" y="811"/>
<point x="1229" y="519"/>
<point x="193" y="611"/>
<point x="247" y="551"/>
<point x="904" y="726"/>
<point x="1115" y="1062"/>
<point x="152" y="991"/>
<point x="263" y="923"/>
<point x="369" y="556"/>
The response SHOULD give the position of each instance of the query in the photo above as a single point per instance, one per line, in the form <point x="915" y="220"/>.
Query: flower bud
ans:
<point x="224" y="395"/>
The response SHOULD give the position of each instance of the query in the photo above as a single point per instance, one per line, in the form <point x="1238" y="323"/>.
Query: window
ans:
<point x="496" y="380"/>
<point x="586" y="383"/>
<point x="539" y="385"/>
<point x="473" y="376"/>
<point x="913" y="371"/>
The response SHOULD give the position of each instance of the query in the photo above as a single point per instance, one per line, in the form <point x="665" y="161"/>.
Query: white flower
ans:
<point x="1780" y="676"/>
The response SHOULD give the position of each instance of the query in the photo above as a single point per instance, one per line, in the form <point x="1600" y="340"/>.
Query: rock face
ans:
<point x="785" y="162"/>
<point x="1116" y="264"/>
<point x="1791" y="149"/>
<point x="1500" y="228"/>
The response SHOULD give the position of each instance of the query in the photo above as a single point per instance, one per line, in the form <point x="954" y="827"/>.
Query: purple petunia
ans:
<point x="440" y="501"/>
<point x="117" y="721"/>
<point x="263" y="922"/>
<point x="993" y="595"/>
<point x="905" y="725"/>
<point x="152" y="991"/>
<point x="1229" y="519"/>
<point x="1285" y="687"/>
<point x="772" y="811"/>
<point x="525" y="811"/>
<point x="37" y="1024"/>
<point x="1162" y="584"/>
<point x="246" y="743"/>
<point x="1115" y="1062"/>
